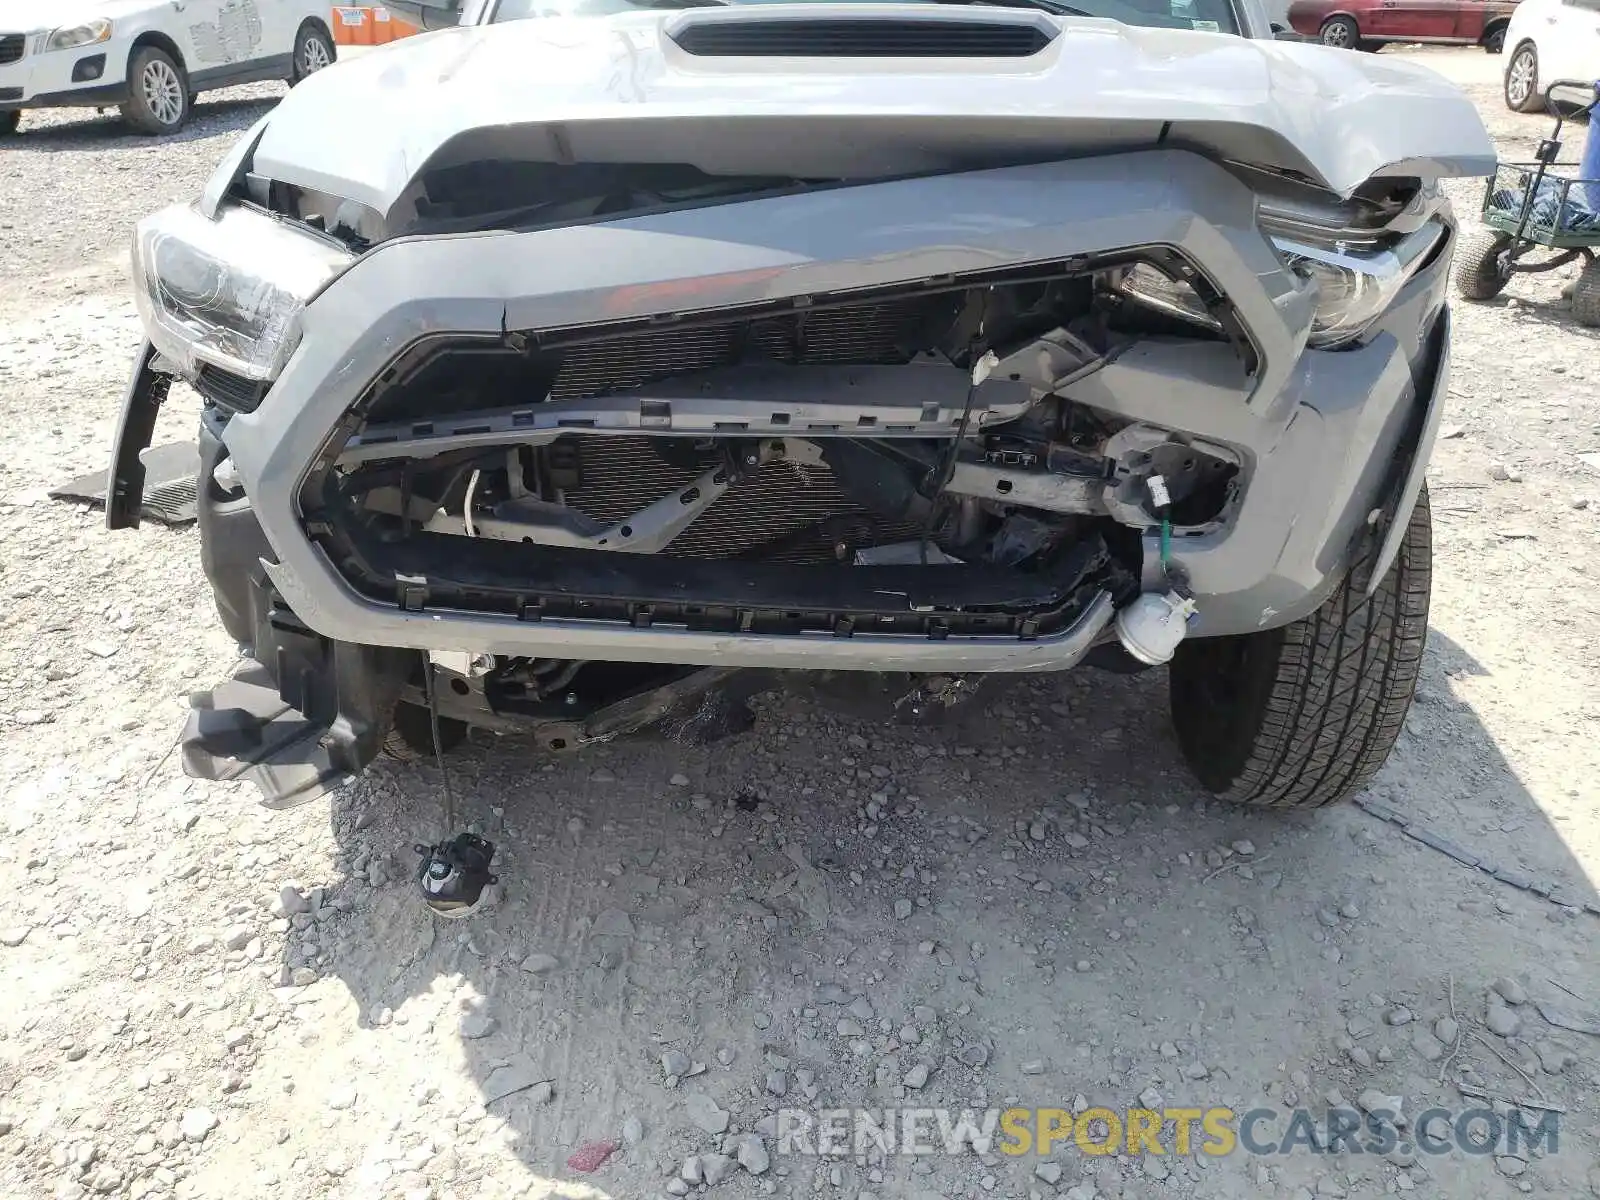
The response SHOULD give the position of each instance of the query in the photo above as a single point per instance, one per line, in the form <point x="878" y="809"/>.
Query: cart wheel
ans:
<point x="1482" y="271"/>
<point x="1586" y="294"/>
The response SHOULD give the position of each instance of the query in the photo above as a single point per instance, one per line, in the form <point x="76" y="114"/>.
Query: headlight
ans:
<point x="70" y="37"/>
<point x="1355" y="283"/>
<point x="229" y="292"/>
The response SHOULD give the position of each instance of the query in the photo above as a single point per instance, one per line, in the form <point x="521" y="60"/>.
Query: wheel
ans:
<point x="1341" y="33"/>
<point x="313" y="50"/>
<point x="1303" y="716"/>
<point x="1482" y="270"/>
<point x="9" y="122"/>
<point x="158" y="93"/>
<point x="1586" y="294"/>
<point x="1522" y="80"/>
<point x="1494" y="40"/>
<point x="410" y="736"/>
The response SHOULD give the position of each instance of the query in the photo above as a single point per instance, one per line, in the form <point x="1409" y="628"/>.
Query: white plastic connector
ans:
<point x="1152" y="626"/>
<point x="984" y="367"/>
<point x="1159" y="496"/>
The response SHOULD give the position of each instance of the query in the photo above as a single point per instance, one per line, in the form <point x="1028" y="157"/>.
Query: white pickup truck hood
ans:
<point x="619" y="89"/>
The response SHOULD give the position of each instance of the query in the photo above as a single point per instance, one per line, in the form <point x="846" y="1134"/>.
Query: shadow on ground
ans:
<point x="1081" y="922"/>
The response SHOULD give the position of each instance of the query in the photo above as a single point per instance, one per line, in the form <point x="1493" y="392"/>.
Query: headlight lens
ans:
<point x="1355" y="283"/>
<point x="70" y="37"/>
<point x="229" y="292"/>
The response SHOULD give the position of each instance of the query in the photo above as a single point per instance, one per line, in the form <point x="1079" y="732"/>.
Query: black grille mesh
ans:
<point x="11" y="47"/>
<point x="863" y="335"/>
<point x="862" y="38"/>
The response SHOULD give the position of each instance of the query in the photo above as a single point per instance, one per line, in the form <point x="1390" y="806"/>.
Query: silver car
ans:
<point x="625" y="353"/>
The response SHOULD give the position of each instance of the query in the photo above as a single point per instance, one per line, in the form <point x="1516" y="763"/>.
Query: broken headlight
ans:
<point x="230" y="291"/>
<point x="1355" y="281"/>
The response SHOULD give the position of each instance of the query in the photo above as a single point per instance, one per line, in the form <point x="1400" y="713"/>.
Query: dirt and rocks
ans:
<point x="1030" y="905"/>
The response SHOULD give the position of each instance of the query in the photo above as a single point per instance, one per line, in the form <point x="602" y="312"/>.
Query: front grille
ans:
<point x="864" y="38"/>
<point x="865" y="335"/>
<point x="12" y="47"/>
<point x="766" y="516"/>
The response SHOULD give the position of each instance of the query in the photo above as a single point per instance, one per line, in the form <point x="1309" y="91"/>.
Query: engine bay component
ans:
<point x="1152" y="626"/>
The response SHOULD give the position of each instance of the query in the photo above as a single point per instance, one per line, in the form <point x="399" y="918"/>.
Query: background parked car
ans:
<point x="1368" y="24"/>
<point x="151" y="57"/>
<point x="1550" y="40"/>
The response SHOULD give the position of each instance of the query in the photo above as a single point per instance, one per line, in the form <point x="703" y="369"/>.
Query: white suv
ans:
<point x="1550" y="40"/>
<point x="150" y="57"/>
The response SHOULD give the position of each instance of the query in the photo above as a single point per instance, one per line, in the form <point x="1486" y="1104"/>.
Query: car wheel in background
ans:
<point x="313" y="50"/>
<point x="1341" y="33"/>
<point x="158" y="93"/>
<point x="1494" y="41"/>
<point x="1481" y="267"/>
<point x="1522" y="80"/>
<point x="1303" y="716"/>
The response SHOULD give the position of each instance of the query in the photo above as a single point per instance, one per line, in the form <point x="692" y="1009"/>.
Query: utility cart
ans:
<point x="1546" y="205"/>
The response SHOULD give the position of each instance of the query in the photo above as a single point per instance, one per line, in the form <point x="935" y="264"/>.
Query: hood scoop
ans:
<point x="717" y="34"/>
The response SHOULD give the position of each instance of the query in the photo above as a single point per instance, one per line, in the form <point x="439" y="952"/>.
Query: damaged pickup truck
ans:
<point x="628" y="352"/>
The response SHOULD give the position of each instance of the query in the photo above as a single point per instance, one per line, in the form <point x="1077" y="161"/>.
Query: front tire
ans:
<point x="9" y="122"/>
<point x="159" y="100"/>
<point x="410" y="736"/>
<point x="1481" y="268"/>
<point x="313" y="50"/>
<point x="1303" y="716"/>
<point x="1341" y="33"/>
<point x="1522" y="81"/>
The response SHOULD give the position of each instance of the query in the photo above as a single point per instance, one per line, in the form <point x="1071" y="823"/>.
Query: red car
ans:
<point x="1368" y="24"/>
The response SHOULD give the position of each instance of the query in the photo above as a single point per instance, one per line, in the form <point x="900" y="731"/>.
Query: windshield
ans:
<point x="1212" y="16"/>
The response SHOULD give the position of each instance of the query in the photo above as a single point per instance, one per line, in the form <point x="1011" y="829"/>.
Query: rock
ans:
<point x="693" y="1170"/>
<point x="1328" y="917"/>
<point x="341" y="1097"/>
<point x="753" y="1156"/>
<point x="1510" y="1165"/>
<point x="1399" y="1015"/>
<point x="1501" y="1020"/>
<point x="777" y="1083"/>
<point x="1049" y="1172"/>
<point x="974" y="1054"/>
<point x="1196" y="1070"/>
<point x="291" y="901"/>
<point x="632" y="1131"/>
<point x="703" y="1112"/>
<point x="196" y="1124"/>
<point x="917" y="1077"/>
<point x="518" y="1075"/>
<point x="1075" y="839"/>
<point x="902" y="909"/>
<point x="236" y="937"/>
<point x="1378" y="1104"/>
<point x="1036" y="831"/>
<point x="1425" y="1044"/>
<point x="1151" y="1098"/>
<point x="861" y="1009"/>
<point x="475" y="1024"/>
<point x="14" y="936"/>
<point x="679" y="779"/>
<point x="675" y="1187"/>
<point x="1245" y="847"/>
<point x="849" y="1027"/>
<point x="1510" y="990"/>
<point x="542" y="1092"/>
<point x="1446" y="1029"/>
<point x="675" y="1063"/>
<point x="1035" y="1067"/>
<point x="1594" y="1181"/>
<point x="1553" y="1057"/>
<point x="716" y="1167"/>
<point x="539" y="964"/>
<point x="302" y="977"/>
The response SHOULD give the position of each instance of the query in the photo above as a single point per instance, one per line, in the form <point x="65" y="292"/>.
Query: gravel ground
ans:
<point x="1033" y="904"/>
